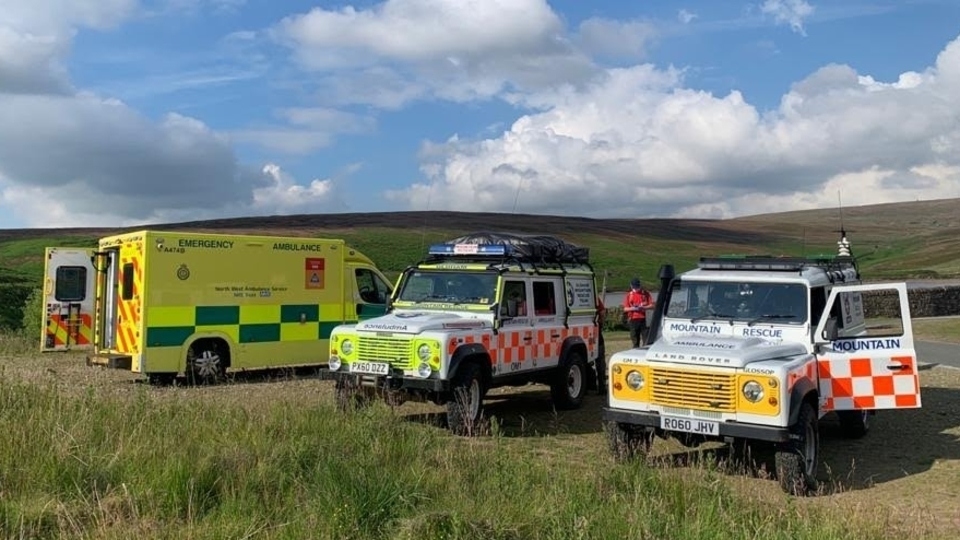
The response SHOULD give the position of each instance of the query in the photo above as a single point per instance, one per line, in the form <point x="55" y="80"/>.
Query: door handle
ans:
<point x="898" y="367"/>
<point x="554" y="335"/>
<point x="528" y="338"/>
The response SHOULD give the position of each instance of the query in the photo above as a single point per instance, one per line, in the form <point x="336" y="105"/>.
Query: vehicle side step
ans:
<point x="116" y="361"/>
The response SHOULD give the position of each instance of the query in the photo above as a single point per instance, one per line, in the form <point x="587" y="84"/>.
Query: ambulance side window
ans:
<point x="71" y="284"/>
<point x="372" y="289"/>
<point x="514" y="303"/>
<point x="126" y="285"/>
<point x="544" y="298"/>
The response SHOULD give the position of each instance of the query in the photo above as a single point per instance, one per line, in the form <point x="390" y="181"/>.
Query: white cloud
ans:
<point x="638" y="143"/>
<point x="71" y="157"/>
<point x="305" y="129"/>
<point x="792" y="12"/>
<point x="278" y="193"/>
<point x="35" y="36"/>
<point x="402" y="50"/>
<point x="686" y="16"/>
<point x="607" y="37"/>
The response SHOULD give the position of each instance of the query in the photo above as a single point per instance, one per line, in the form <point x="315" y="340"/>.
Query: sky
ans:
<point x="130" y="112"/>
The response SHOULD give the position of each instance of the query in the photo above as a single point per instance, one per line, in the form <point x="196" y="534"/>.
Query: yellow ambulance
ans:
<point x="165" y="303"/>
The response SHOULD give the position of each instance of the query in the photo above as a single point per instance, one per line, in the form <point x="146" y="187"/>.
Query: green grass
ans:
<point x="87" y="465"/>
<point x="946" y="330"/>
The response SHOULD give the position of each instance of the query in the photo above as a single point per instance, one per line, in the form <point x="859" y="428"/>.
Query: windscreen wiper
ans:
<point x="711" y="315"/>
<point x="755" y="320"/>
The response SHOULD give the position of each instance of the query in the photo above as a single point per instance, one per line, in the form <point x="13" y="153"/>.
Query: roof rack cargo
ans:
<point x="543" y="249"/>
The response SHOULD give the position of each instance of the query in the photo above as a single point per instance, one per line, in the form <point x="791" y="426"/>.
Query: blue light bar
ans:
<point x="467" y="249"/>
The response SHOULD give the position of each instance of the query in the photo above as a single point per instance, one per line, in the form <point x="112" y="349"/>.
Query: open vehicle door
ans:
<point x="69" y="299"/>
<point x="866" y="355"/>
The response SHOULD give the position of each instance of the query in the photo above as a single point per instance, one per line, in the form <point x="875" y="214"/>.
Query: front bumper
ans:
<point x="392" y="382"/>
<point x="726" y="429"/>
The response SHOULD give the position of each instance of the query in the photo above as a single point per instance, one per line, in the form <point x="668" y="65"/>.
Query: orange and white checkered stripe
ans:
<point x="869" y="383"/>
<point x="511" y="346"/>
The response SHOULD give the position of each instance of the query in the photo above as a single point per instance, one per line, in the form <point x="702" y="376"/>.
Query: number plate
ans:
<point x="375" y="368"/>
<point x="690" y="425"/>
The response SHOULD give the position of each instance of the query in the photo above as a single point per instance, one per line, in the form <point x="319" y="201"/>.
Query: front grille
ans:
<point x="397" y="351"/>
<point x="694" y="389"/>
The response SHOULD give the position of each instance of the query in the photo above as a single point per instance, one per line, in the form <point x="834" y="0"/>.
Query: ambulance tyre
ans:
<point x="570" y="381"/>
<point x="464" y="406"/>
<point x="796" y="460"/>
<point x="627" y="441"/>
<point x="854" y="424"/>
<point x="348" y="397"/>
<point x="207" y="360"/>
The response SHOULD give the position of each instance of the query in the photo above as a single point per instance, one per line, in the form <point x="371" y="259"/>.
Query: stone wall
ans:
<point x="927" y="302"/>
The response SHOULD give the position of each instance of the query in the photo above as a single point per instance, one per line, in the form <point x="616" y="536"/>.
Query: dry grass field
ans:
<point x="903" y="478"/>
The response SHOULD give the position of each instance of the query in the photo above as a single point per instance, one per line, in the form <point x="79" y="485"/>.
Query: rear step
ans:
<point x="117" y="361"/>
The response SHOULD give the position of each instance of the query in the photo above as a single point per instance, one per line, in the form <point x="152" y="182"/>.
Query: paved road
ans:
<point x="944" y="354"/>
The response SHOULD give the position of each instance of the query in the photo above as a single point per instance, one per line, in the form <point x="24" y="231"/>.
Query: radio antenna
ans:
<point x="843" y="245"/>
<point x="843" y="232"/>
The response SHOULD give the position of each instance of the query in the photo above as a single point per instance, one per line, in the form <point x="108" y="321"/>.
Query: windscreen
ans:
<point x="435" y="286"/>
<point x="778" y="303"/>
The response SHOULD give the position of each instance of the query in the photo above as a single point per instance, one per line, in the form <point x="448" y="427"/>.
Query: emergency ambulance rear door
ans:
<point x="69" y="299"/>
<point x="865" y="350"/>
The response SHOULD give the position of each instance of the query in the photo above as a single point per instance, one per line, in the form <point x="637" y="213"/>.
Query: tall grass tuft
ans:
<point x="96" y="465"/>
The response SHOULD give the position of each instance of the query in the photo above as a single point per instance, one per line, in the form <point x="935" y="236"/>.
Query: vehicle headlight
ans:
<point x="333" y="363"/>
<point x="346" y="347"/>
<point x="424" y="370"/>
<point x="753" y="391"/>
<point x="635" y="380"/>
<point x="424" y="352"/>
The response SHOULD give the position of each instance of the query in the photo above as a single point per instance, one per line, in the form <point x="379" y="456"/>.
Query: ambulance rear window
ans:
<point x="126" y="287"/>
<point x="71" y="284"/>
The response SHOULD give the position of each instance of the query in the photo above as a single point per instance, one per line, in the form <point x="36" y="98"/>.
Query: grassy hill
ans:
<point x="899" y="240"/>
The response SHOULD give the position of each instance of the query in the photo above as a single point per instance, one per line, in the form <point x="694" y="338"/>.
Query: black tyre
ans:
<point x="797" y="460"/>
<point x="161" y="379"/>
<point x="570" y="382"/>
<point x="349" y="397"/>
<point x="854" y="424"/>
<point x="465" y="406"/>
<point x="627" y="441"/>
<point x="207" y="360"/>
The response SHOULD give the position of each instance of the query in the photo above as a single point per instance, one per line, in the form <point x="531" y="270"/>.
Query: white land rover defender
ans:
<point x="482" y="311"/>
<point x="760" y="348"/>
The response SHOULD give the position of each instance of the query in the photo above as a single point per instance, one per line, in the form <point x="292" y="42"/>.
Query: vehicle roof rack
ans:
<point x="497" y="247"/>
<point x="770" y="263"/>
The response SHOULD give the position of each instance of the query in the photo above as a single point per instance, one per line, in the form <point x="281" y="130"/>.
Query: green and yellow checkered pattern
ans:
<point x="172" y="326"/>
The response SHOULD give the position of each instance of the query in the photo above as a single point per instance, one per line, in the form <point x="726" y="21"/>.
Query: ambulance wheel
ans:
<point x="348" y="397"/>
<point x="464" y="407"/>
<point x="207" y="360"/>
<point x="627" y="441"/>
<point x="161" y="379"/>
<point x="854" y="424"/>
<point x="796" y="460"/>
<point x="570" y="382"/>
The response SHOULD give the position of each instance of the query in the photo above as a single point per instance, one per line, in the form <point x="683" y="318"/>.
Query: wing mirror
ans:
<point x="830" y="330"/>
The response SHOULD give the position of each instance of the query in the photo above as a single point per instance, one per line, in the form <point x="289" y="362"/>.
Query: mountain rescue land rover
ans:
<point x="759" y="349"/>
<point x="164" y="303"/>
<point x="481" y="311"/>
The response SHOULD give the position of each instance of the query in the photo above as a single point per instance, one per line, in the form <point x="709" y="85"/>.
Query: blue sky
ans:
<point x="117" y="112"/>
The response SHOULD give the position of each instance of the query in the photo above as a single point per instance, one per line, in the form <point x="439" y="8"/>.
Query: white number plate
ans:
<point x="375" y="368"/>
<point x="690" y="425"/>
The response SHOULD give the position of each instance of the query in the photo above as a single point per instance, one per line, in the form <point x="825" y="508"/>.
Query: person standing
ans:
<point x="635" y="306"/>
